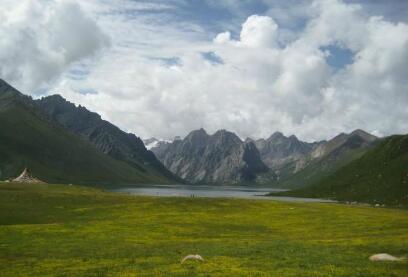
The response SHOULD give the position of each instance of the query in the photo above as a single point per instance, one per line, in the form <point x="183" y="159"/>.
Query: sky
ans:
<point x="163" y="68"/>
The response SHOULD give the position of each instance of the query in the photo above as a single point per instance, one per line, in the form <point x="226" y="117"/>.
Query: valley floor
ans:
<point x="48" y="230"/>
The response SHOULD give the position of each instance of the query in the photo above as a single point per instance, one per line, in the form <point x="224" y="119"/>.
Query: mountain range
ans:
<point x="64" y="143"/>
<point x="279" y="160"/>
<point x="349" y="167"/>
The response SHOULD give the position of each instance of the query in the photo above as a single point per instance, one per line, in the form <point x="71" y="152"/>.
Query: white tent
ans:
<point x="26" y="177"/>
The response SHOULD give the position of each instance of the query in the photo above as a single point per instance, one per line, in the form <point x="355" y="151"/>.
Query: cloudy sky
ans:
<point x="165" y="67"/>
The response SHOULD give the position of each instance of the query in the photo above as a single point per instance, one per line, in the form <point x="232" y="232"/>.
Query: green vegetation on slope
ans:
<point x="48" y="230"/>
<point x="327" y="158"/>
<point x="379" y="176"/>
<point x="103" y="135"/>
<point x="319" y="169"/>
<point x="54" y="154"/>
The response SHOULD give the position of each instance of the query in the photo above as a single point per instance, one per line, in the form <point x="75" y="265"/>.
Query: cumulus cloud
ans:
<point x="270" y="78"/>
<point x="39" y="39"/>
<point x="259" y="31"/>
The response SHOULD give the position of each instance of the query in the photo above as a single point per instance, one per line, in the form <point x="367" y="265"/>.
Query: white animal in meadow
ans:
<point x="385" y="257"/>
<point x="192" y="257"/>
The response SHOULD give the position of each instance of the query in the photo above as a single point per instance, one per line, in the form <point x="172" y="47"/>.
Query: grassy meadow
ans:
<point x="59" y="230"/>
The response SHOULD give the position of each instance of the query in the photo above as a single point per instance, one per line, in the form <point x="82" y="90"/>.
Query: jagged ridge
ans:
<point x="218" y="158"/>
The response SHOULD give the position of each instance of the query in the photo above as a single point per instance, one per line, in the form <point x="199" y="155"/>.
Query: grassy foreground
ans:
<point x="48" y="230"/>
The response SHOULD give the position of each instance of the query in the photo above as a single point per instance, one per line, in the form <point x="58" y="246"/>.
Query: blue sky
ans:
<point x="163" y="68"/>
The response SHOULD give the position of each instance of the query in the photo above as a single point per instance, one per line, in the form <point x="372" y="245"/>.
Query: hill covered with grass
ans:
<point x="48" y="230"/>
<point x="30" y="139"/>
<point x="328" y="157"/>
<point x="378" y="176"/>
<point x="103" y="135"/>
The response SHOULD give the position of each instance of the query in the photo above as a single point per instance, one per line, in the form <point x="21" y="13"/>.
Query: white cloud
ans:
<point x="223" y="38"/>
<point x="266" y="82"/>
<point x="39" y="39"/>
<point x="259" y="31"/>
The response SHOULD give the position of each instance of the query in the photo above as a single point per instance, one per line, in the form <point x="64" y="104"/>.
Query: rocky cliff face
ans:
<point x="281" y="153"/>
<point x="218" y="158"/>
<point x="224" y="158"/>
<point x="102" y="134"/>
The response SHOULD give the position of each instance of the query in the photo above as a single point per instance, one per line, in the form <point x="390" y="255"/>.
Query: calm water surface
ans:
<point x="246" y="192"/>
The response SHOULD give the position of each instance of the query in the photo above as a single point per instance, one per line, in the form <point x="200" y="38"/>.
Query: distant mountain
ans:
<point x="327" y="156"/>
<point x="379" y="176"/>
<point x="32" y="138"/>
<point x="291" y="162"/>
<point x="285" y="155"/>
<point x="218" y="158"/>
<point x="344" y="142"/>
<point x="103" y="135"/>
<point x="150" y="143"/>
<point x="154" y="143"/>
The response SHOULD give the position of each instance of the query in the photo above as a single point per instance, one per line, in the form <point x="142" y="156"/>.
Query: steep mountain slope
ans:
<point x="218" y="158"/>
<point x="103" y="135"/>
<point x="326" y="157"/>
<point x="378" y="176"/>
<point x="29" y="138"/>
<point x="284" y="155"/>
<point x="343" y="142"/>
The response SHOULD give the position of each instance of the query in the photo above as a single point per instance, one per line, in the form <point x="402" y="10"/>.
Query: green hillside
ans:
<point x="379" y="176"/>
<point x="320" y="169"/>
<point x="103" y="135"/>
<point x="336" y="153"/>
<point x="52" y="153"/>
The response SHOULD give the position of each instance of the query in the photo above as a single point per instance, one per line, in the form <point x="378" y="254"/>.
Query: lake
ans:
<point x="246" y="192"/>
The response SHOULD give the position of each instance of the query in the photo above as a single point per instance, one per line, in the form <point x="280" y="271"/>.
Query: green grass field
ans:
<point x="55" y="230"/>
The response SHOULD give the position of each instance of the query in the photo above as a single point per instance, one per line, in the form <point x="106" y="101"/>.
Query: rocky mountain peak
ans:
<point x="196" y="139"/>
<point x="279" y="151"/>
<point x="6" y="88"/>
<point x="223" y="136"/>
<point x="364" y="135"/>
<point x="76" y="118"/>
<point x="344" y="142"/>
<point x="293" y="138"/>
<point x="56" y="98"/>
<point x="276" y="136"/>
<point x="218" y="158"/>
<point x="150" y="140"/>
<point x="8" y="94"/>
<point x="150" y="143"/>
<point x="197" y="135"/>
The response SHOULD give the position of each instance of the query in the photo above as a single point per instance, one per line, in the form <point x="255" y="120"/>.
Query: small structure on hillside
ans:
<point x="26" y="177"/>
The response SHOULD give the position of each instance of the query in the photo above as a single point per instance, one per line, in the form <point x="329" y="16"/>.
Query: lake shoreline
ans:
<point x="207" y="191"/>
